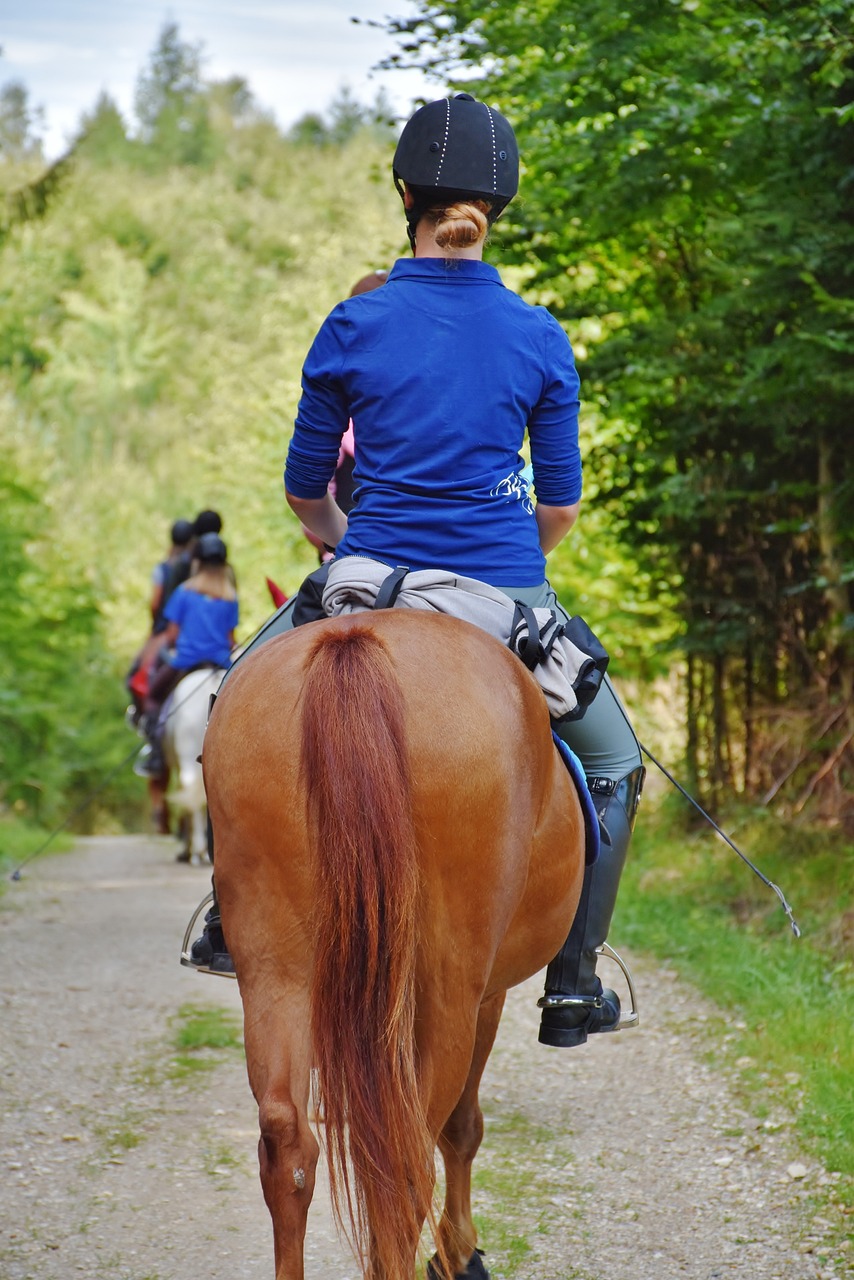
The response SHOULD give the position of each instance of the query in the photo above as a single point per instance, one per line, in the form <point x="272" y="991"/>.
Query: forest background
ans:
<point x="686" y="212"/>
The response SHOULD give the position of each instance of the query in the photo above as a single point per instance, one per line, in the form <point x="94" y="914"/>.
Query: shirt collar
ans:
<point x="445" y="270"/>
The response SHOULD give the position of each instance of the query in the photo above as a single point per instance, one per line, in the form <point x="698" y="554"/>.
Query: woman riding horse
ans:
<point x="201" y="616"/>
<point x="444" y="370"/>
<point x="389" y="864"/>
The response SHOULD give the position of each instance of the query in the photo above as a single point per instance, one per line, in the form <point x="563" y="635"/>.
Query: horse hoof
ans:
<point x="475" y="1270"/>
<point x="183" y="856"/>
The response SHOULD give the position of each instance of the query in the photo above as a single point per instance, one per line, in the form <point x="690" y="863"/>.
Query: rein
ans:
<point x="770" y="883"/>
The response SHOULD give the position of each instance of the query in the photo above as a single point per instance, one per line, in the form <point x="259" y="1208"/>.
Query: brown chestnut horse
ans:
<point x="397" y="843"/>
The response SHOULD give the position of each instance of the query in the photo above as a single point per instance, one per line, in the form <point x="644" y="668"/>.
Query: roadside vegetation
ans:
<point x="788" y="1003"/>
<point x="157" y="297"/>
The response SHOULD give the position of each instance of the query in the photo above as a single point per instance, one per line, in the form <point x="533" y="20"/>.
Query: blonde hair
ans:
<point x="215" y="580"/>
<point x="459" y="225"/>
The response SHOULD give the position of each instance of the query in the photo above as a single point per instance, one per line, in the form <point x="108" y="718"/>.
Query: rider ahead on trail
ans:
<point x="444" y="371"/>
<point x="182" y="535"/>
<point x="201" y="617"/>
<point x="180" y="569"/>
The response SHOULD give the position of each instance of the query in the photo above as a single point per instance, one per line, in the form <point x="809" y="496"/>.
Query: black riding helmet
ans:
<point x="207" y="522"/>
<point x="456" y="149"/>
<point x="182" y="532"/>
<point x="210" y="549"/>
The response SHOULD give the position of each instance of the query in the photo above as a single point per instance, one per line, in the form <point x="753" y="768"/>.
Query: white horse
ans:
<point x="185" y="721"/>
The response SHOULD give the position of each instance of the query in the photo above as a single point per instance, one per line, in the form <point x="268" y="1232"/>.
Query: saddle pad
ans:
<point x="591" y="817"/>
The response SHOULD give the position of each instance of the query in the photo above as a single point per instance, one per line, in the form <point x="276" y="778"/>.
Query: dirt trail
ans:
<point x="626" y="1160"/>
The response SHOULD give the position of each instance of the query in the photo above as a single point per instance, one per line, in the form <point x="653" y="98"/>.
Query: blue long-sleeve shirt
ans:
<point x="442" y="370"/>
<point x="205" y="626"/>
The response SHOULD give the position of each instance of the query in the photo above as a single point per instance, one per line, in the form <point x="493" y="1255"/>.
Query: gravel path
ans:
<point x="626" y="1160"/>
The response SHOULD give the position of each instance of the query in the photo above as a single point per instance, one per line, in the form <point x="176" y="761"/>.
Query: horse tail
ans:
<point x="356" y="774"/>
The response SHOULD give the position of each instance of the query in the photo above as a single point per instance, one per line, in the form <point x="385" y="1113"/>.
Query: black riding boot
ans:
<point x="575" y="1004"/>
<point x="150" y="762"/>
<point x="209" y="953"/>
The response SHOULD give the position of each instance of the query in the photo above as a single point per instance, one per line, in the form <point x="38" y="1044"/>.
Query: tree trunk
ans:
<point x="836" y="590"/>
<point x="749" y="728"/>
<point x="691" y="743"/>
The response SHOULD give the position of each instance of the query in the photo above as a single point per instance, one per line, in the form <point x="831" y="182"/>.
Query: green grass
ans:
<point x="506" y="1220"/>
<point x="20" y="840"/>
<point x="218" y="1159"/>
<point x="788" y="1003"/>
<point x="125" y="1138"/>
<point x="200" y="1038"/>
<point x="198" y="1027"/>
<point x="201" y="1035"/>
<point x="121" y="1133"/>
<point x="785" y="1037"/>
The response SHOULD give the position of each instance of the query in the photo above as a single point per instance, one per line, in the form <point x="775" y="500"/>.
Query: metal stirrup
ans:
<point x="186" y="954"/>
<point x="629" y="1018"/>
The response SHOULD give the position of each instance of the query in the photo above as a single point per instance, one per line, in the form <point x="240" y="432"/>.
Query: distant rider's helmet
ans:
<point x="210" y="549"/>
<point x="456" y="149"/>
<point x="182" y="532"/>
<point x="207" y="522"/>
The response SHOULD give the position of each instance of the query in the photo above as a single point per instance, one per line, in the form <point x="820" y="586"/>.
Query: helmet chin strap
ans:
<point x="412" y="217"/>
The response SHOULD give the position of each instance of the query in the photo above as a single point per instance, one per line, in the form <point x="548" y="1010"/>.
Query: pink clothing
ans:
<point x="348" y="450"/>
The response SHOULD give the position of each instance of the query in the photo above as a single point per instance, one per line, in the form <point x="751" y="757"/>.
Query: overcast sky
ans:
<point x="295" y="54"/>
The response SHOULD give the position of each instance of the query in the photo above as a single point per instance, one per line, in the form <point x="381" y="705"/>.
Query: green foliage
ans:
<point x="57" y="681"/>
<point x="153" y="323"/>
<point x="170" y="103"/>
<point x="345" y="118"/>
<point x="19" y="124"/>
<point x="20" y="841"/>
<point x="168" y="328"/>
<point x="103" y="133"/>
<point x="789" y="1003"/>
<point x="41" y="621"/>
<point x="631" y="609"/>
<point x="311" y="130"/>
<point x="685" y="209"/>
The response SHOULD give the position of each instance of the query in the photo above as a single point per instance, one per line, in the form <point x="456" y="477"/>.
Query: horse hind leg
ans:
<point x="287" y="1155"/>
<point x="459" y="1143"/>
<point x="278" y="1059"/>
